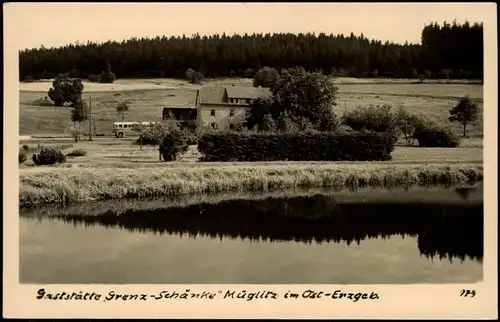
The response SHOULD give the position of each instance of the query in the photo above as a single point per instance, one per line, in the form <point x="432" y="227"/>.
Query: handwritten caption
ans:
<point x="43" y="294"/>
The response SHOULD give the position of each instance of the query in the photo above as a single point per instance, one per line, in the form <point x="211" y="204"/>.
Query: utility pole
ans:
<point x="90" y="118"/>
<point x="345" y="106"/>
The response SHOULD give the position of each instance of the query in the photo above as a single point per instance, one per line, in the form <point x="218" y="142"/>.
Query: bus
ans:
<point x="121" y="129"/>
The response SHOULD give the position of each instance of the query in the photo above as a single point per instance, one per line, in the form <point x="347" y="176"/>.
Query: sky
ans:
<point x="58" y="24"/>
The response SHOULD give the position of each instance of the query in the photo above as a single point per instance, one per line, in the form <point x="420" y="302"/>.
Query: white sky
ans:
<point x="57" y="24"/>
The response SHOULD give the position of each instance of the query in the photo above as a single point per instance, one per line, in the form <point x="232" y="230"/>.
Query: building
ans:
<point x="223" y="108"/>
<point x="184" y="114"/>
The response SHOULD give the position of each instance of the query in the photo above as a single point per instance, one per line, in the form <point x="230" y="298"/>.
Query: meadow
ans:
<point x="118" y="168"/>
<point x="147" y="97"/>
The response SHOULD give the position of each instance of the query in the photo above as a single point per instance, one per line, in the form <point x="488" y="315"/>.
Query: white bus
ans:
<point x="121" y="129"/>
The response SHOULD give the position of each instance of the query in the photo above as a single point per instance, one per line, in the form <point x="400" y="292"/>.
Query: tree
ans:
<point x="189" y="74"/>
<point x="407" y="124"/>
<point x="79" y="114"/>
<point x="196" y="78"/>
<point x="139" y="129"/>
<point x="464" y="112"/>
<point x="265" y="77"/>
<point x="107" y="76"/>
<point x="306" y="95"/>
<point x="66" y="90"/>
<point x="121" y="108"/>
<point x="267" y="124"/>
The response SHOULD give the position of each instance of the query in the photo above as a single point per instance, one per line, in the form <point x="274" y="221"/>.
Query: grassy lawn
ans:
<point x="116" y="168"/>
<point x="147" y="97"/>
<point x="124" y="153"/>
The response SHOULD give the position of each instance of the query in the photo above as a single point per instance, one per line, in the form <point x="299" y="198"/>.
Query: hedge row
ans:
<point x="296" y="147"/>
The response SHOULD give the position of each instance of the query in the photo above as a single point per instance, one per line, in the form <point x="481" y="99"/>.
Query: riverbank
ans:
<point x="401" y="196"/>
<point x="69" y="185"/>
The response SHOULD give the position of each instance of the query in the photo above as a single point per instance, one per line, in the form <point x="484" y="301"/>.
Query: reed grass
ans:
<point x="437" y="194"/>
<point x="82" y="184"/>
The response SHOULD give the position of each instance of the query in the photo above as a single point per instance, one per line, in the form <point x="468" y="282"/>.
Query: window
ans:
<point x="231" y="126"/>
<point x="249" y="101"/>
<point x="212" y="112"/>
<point x="231" y="112"/>
<point x="214" y="126"/>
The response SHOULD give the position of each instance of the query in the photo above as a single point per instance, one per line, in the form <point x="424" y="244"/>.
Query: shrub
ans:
<point x="189" y="74"/>
<point x="49" y="156"/>
<point x="22" y="157"/>
<point x="432" y="135"/>
<point x="327" y="146"/>
<point x="152" y="135"/>
<point x="77" y="153"/>
<point x="406" y="124"/>
<point x="43" y="102"/>
<point x="25" y="147"/>
<point x="107" y="76"/>
<point x="197" y="78"/>
<point x="248" y="73"/>
<point x="94" y="78"/>
<point x="371" y="118"/>
<point x="173" y="144"/>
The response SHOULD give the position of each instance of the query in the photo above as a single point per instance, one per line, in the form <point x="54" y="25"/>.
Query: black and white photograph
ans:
<point x="246" y="143"/>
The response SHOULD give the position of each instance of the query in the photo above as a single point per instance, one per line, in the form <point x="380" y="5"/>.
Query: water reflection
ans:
<point x="453" y="230"/>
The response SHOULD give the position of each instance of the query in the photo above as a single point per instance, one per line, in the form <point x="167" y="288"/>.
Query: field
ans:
<point x="124" y="153"/>
<point x="116" y="168"/>
<point x="147" y="97"/>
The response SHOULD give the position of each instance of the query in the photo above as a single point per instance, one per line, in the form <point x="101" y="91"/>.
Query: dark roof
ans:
<point x="216" y="95"/>
<point x="246" y="92"/>
<point x="212" y="95"/>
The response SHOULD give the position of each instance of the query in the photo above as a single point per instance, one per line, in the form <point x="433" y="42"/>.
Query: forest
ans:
<point x="446" y="51"/>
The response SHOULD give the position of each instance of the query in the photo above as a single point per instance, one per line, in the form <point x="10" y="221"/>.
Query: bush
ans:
<point x="43" y="102"/>
<point x="432" y="135"/>
<point x="327" y="146"/>
<point x="407" y="123"/>
<point x="22" y="157"/>
<point x="152" y="135"/>
<point x="77" y="153"/>
<point x="372" y="118"/>
<point x="25" y="147"/>
<point x="107" y="76"/>
<point x="248" y="73"/>
<point x="173" y="144"/>
<point x="49" y="156"/>
<point x="94" y="78"/>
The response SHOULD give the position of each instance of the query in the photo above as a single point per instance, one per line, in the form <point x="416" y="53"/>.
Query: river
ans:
<point x="370" y="237"/>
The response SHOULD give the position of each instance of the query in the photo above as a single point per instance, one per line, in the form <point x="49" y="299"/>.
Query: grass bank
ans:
<point x="72" y="185"/>
<point x="437" y="195"/>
